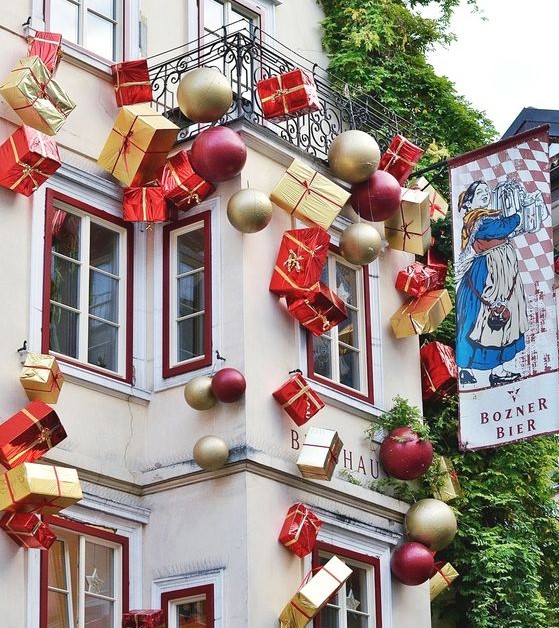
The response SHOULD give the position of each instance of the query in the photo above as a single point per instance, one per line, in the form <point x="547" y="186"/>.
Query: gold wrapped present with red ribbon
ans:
<point x="36" y="97"/>
<point x="447" y="485"/>
<point x="131" y="82"/>
<point x="40" y="488"/>
<point x="416" y="279"/>
<point x="47" y="46"/>
<point x="146" y="618"/>
<point x="400" y="158"/>
<point x="438" y="370"/>
<point x="288" y="95"/>
<point x="438" y="205"/>
<point x="27" y="159"/>
<point x="300" y="529"/>
<point x="318" y="311"/>
<point x="444" y="576"/>
<point x="27" y="530"/>
<point x="309" y="196"/>
<point x="41" y="378"/>
<point x="138" y="145"/>
<point x="298" y="399"/>
<point x="319" y="453"/>
<point x="300" y="260"/>
<point x="409" y="229"/>
<point x="422" y="315"/>
<point x="29" y="434"/>
<point x="180" y="184"/>
<point x="145" y="204"/>
<point x="314" y="593"/>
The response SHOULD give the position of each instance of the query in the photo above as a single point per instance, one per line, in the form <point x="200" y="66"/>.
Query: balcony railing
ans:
<point x="246" y="57"/>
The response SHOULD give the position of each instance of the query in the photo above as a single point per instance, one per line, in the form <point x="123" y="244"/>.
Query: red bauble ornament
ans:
<point x="218" y="154"/>
<point x="412" y="564"/>
<point x="228" y="385"/>
<point x="404" y="455"/>
<point x="377" y="198"/>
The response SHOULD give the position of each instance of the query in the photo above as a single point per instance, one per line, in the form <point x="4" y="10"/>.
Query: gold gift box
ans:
<point x="448" y="487"/>
<point x="410" y="227"/>
<point x="319" y="453"/>
<point x="422" y="315"/>
<point x="313" y="595"/>
<point x="137" y="145"/>
<point x="444" y="577"/>
<point x="36" y="97"/>
<point x="309" y="196"/>
<point x="32" y="487"/>
<point x="41" y="378"/>
<point x="438" y="205"/>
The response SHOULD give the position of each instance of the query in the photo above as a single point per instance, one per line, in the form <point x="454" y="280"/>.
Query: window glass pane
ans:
<point x="57" y="573"/>
<point x="191" y="614"/>
<point x="100" y="36"/>
<point x="240" y="22"/>
<point x="65" y="282"/>
<point x="354" y="620"/>
<point x="356" y="590"/>
<point x="190" y="294"/>
<point x="103" y="296"/>
<point x="213" y="15"/>
<point x="345" y="283"/>
<point x="190" y="338"/>
<point x="99" y="576"/>
<point x="98" y="613"/>
<point x="102" y="350"/>
<point x="190" y="251"/>
<point x="322" y="356"/>
<point x="66" y="234"/>
<point x="57" y="614"/>
<point x="348" y="330"/>
<point x="349" y="367"/>
<point x="324" y="274"/>
<point x="64" y="327"/>
<point x="64" y="19"/>
<point x="329" y="617"/>
<point x="105" y="7"/>
<point x="103" y="248"/>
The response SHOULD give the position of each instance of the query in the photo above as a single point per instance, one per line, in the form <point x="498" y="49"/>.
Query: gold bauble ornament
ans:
<point x="249" y="210"/>
<point x="204" y="95"/>
<point x="210" y="452"/>
<point x="198" y="393"/>
<point x="360" y="243"/>
<point x="432" y="523"/>
<point x="353" y="156"/>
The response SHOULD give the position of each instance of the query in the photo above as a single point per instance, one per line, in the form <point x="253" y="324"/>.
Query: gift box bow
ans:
<point x="192" y="194"/>
<point x="282" y="92"/>
<point x="307" y="518"/>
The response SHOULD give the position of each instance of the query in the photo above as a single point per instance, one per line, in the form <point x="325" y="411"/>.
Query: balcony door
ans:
<point x="217" y="17"/>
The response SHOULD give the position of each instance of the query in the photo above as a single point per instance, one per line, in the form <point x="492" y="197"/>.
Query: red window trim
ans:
<point x="89" y="530"/>
<point x="205" y="589"/>
<point x="206" y="359"/>
<point x="51" y="197"/>
<point x="367" y="559"/>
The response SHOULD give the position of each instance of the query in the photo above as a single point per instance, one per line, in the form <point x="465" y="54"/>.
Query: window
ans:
<point x="215" y="14"/>
<point x="189" y="608"/>
<point x="187" y="282"/>
<point x="87" y="298"/>
<point x="84" y="577"/>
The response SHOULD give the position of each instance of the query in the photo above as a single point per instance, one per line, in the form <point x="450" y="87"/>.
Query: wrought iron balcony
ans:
<point x="246" y="57"/>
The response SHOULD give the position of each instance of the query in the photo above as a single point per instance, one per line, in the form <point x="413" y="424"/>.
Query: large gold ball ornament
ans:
<point x="353" y="156"/>
<point x="432" y="523"/>
<point x="210" y="452"/>
<point x="198" y="393"/>
<point x="249" y="210"/>
<point x="204" y="94"/>
<point x="360" y="243"/>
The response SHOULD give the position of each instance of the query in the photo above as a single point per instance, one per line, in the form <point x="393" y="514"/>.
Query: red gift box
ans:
<point x="400" y="158"/>
<point x="319" y="311"/>
<point x="299" y="530"/>
<point x="131" y="82"/>
<point x="180" y="184"/>
<point x="27" y="530"/>
<point x="145" y="204"/>
<point x="151" y="618"/>
<point x="438" y="370"/>
<point x="27" y="159"/>
<point x="29" y="433"/>
<point x="46" y="46"/>
<point x="300" y="260"/>
<point x="417" y="279"/>
<point x="441" y="268"/>
<point x="298" y="399"/>
<point x="288" y="95"/>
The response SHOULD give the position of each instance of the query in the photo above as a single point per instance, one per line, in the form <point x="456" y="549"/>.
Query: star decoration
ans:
<point x="94" y="583"/>
<point x="351" y="602"/>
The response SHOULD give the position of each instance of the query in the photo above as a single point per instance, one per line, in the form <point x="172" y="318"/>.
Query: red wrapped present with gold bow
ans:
<point x="288" y="95"/>
<point x="319" y="453"/>
<point x="300" y="529"/>
<point x="27" y="159"/>
<point x="422" y="315"/>
<point x="41" y="378"/>
<point x="180" y="184"/>
<point x="47" y="46"/>
<point x="318" y="311"/>
<point x="27" y="530"/>
<point x="300" y="260"/>
<point x="438" y="205"/>
<point x="409" y="229"/>
<point x="443" y="576"/>
<point x="147" y="618"/>
<point x="298" y="399"/>
<point x="400" y="158"/>
<point x="131" y="82"/>
<point x="416" y="279"/>
<point x="438" y="265"/>
<point x="146" y="204"/>
<point x="438" y="370"/>
<point x="447" y="485"/>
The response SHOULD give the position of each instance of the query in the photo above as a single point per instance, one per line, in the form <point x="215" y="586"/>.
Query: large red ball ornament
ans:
<point x="377" y="198"/>
<point x="218" y="154"/>
<point x="404" y="455"/>
<point x="228" y="385"/>
<point x="412" y="564"/>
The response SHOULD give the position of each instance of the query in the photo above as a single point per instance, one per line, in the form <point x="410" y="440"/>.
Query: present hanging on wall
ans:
<point x="300" y="529"/>
<point x="438" y="370"/>
<point x="319" y="311"/>
<point x="145" y="204"/>
<point x="298" y="399"/>
<point x="309" y="196"/>
<point x="447" y="486"/>
<point x="438" y="205"/>
<point x="438" y="265"/>
<point x="180" y="184"/>
<point x="36" y="97"/>
<point x="27" y="530"/>
<point x="131" y="82"/>
<point x="29" y="434"/>
<point x="47" y="46"/>
<point x="27" y="159"/>
<point x="319" y="453"/>
<point x="410" y="227"/>
<point x="400" y="158"/>
<point x="137" y="145"/>
<point x="40" y="488"/>
<point x="147" y="618"/>
<point x="416" y="279"/>
<point x="300" y="261"/>
<point x="421" y="316"/>
<point x="41" y="378"/>
<point x="444" y="576"/>
<point x="288" y="95"/>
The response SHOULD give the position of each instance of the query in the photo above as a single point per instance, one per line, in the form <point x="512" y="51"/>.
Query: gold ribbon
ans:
<point x="191" y="193"/>
<point x="26" y="169"/>
<point x="45" y="436"/>
<point x="304" y="389"/>
<point x="281" y="93"/>
<point x="19" y="532"/>
<point x="293" y="262"/>
<point x="308" y="518"/>
<point x="395" y="156"/>
<point x="130" y="84"/>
